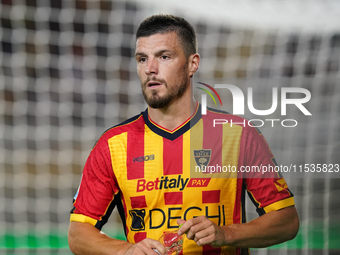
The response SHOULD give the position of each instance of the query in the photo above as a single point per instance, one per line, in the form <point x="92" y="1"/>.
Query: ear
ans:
<point x="193" y="63"/>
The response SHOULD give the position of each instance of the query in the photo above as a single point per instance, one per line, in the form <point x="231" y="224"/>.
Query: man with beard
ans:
<point x="142" y="166"/>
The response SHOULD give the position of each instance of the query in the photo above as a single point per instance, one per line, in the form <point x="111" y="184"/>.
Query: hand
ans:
<point x="202" y="231"/>
<point x="146" y="246"/>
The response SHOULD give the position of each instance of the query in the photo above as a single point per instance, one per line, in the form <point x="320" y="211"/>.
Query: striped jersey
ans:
<point x="155" y="176"/>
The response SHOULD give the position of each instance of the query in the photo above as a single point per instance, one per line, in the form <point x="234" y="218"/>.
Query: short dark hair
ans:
<point x="162" y="23"/>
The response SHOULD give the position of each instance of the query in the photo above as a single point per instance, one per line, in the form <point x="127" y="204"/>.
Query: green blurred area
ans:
<point x="54" y="240"/>
<point x="312" y="236"/>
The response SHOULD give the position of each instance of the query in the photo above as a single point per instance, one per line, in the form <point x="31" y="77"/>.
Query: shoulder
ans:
<point x="133" y="124"/>
<point x="215" y="113"/>
<point x="219" y="117"/>
<point x="225" y="117"/>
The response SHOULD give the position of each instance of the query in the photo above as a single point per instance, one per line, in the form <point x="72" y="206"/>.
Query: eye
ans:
<point x="142" y="59"/>
<point x="164" y="57"/>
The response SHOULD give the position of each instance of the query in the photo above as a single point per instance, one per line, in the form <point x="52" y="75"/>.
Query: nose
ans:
<point x="151" y="67"/>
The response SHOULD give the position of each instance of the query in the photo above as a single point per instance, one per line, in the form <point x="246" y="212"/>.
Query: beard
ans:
<point x="172" y="91"/>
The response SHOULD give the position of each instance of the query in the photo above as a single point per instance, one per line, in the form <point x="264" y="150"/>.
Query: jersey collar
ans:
<point x="173" y="134"/>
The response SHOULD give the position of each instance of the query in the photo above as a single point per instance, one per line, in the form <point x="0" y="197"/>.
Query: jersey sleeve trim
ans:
<point x="83" y="219"/>
<point x="280" y="205"/>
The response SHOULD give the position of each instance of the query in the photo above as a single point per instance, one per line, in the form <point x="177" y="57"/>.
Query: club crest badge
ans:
<point x="202" y="158"/>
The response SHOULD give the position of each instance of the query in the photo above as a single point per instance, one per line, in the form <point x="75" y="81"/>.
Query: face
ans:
<point x="162" y="68"/>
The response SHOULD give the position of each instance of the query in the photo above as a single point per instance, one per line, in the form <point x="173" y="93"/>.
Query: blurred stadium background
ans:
<point x="68" y="73"/>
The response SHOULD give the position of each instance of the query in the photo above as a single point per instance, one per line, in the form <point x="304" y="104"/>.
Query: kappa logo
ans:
<point x="202" y="158"/>
<point x="143" y="158"/>
<point x="137" y="219"/>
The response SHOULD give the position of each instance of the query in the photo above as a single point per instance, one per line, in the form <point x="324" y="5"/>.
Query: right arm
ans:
<point x="97" y="191"/>
<point x="85" y="239"/>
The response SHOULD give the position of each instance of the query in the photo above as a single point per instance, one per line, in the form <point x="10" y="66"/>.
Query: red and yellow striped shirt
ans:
<point x="152" y="175"/>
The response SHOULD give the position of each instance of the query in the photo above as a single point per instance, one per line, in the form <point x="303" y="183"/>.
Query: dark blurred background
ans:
<point x="68" y="73"/>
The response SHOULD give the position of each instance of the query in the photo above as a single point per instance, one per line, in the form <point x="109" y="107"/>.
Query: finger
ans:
<point x="198" y="219"/>
<point x="204" y="229"/>
<point x="147" y="245"/>
<point x="205" y="240"/>
<point x="184" y="228"/>
<point x="187" y="229"/>
<point x="212" y="235"/>
<point x="157" y="251"/>
<point x="158" y="246"/>
<point x="197" y="225"/>
<point x="201" y="234"/>
<point x="180" y="221"/>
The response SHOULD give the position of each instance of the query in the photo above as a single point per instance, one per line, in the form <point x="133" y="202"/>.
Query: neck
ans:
<point x="175" y="114"/>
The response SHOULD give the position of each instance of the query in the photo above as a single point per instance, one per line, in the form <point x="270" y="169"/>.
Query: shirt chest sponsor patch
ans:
<point x="165" y="182"/>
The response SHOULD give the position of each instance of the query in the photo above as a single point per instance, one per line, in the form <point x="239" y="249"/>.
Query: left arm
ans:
<point x="269" y="229"/>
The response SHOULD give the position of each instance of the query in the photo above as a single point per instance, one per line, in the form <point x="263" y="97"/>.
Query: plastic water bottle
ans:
<point x="172" y="242"/>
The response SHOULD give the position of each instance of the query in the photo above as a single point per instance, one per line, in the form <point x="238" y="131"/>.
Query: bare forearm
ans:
<point x="85" y="239"/>
<point x="269" y="229"/>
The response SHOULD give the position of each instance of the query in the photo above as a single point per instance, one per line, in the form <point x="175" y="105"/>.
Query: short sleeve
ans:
<point x="266" y="186"/>
<point x="94" y="200"/>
